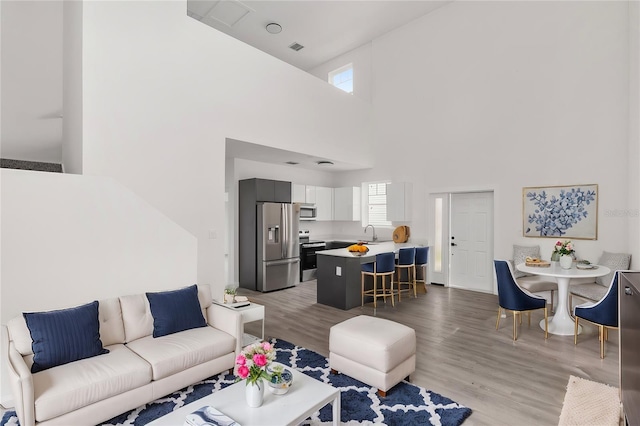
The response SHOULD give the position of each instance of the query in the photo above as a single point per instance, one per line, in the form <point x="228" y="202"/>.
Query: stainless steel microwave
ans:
<point x="308" y="212"/>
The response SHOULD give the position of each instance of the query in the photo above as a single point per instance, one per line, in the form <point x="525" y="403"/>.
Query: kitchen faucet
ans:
<point x="375" y="237"/>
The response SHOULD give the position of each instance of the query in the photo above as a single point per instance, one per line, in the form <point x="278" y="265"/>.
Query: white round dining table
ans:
<point x="562" y="323"/>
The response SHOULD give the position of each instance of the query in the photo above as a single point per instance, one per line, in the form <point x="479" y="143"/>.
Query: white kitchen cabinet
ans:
<point x="324" y="203"/>
<point x="346" y="203"/>
<point x="399" y="201"/>
<point x="298" y="193"/>
<point x="310" y="194"/>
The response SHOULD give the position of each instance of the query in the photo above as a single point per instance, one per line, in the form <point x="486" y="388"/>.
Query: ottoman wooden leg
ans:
<point x="334" y="371"/>
<point x="382" y="393"/>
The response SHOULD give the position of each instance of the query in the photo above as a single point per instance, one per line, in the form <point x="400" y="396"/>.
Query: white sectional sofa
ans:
<point x="139" y="368"/>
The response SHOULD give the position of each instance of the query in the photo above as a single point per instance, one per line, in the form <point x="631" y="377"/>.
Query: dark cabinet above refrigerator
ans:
<point x="267" y="190"/>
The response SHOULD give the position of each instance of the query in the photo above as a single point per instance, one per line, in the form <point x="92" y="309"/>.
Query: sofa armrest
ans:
<point x="226" y="320"/>
<point x="21" y="382"/>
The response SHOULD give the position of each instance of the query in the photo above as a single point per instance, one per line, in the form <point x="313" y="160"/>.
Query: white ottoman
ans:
<point x="373" y="350"/>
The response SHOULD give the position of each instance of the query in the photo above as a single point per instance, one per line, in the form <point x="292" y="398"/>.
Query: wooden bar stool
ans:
<point x="383" y="267"/>
<point x="406" y="261"/>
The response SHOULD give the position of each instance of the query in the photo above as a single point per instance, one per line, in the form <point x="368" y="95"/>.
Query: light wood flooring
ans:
<point x="460" y="354"/>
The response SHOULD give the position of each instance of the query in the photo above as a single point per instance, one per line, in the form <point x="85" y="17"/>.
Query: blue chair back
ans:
<point x="385" y="262"/>
<point x="406" y="256"/>
<point x="605" y="311"/>
<point x="510" y="295"/>
<point x="422" y="255"/>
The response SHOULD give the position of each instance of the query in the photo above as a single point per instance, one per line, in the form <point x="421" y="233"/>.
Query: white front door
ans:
<point x="471" y="241"/>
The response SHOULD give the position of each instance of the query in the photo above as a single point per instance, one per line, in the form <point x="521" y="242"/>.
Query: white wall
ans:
<point x="362" y="72"/>
<point x="161" y="96"/>
<point x="69" y="239"/>
<point x="503" y="95"/>
<point x="31" y="49"/>
<point x="72" y="88"/>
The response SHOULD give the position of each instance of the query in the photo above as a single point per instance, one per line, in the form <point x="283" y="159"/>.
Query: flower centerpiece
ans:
<point x="563" y="251"/>
<point x="251" y="365"/>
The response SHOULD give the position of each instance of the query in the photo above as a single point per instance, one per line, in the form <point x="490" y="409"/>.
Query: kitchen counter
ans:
<point x="374" y="248"/>
<point x="339" y="279"/>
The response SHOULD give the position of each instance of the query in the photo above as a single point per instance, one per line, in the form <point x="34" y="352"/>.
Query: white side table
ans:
<point x="250" y="313"/>
<point x="253" y="312"/>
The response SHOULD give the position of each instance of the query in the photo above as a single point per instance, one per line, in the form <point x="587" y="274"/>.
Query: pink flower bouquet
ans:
<point x="252" y="363"/>
<point x="563" y="247"/>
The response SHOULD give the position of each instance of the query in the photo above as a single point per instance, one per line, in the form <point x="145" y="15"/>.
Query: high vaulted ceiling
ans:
<point x="325" y="28"/>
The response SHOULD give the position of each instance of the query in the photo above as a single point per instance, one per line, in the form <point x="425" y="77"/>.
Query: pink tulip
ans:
<point x="260" y="360"/>
<point x="266" y="346"/>
<point x="241" y="360"/>
<point x="243" y="371"/>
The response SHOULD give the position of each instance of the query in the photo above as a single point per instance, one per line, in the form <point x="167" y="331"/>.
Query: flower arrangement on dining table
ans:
<point x="564" y="247"/>
<point x="253" y="361"/>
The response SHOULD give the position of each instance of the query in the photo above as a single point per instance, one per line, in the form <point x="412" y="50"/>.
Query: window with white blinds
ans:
<point x="377" y="204"/>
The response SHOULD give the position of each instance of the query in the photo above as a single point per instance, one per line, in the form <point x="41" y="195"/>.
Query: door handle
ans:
<point x="453" y="244"/>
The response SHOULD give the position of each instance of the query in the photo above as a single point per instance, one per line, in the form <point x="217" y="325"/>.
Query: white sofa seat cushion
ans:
<point x="68" y="387"/>
<point x="179" y="351"/>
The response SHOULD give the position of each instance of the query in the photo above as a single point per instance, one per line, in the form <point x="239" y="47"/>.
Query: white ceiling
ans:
<point x="265" y="154"/>
<point x="325" y="28"/>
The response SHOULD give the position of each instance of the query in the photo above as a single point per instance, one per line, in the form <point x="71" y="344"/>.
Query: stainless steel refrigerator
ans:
<point x="278" y="249"/>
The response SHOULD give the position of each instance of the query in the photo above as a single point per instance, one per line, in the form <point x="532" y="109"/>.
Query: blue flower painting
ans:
<point x="561" y="211"/>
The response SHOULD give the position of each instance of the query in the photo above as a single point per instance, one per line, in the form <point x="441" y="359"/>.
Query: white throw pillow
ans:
<point x="520" y="253"/>
<point x="613" y="261"/>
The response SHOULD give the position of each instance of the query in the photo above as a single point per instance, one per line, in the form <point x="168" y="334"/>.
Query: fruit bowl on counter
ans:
<point x="358" y="249"/>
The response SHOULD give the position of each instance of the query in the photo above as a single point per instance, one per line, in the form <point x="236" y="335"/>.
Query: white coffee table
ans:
<point x="305" y="397"/>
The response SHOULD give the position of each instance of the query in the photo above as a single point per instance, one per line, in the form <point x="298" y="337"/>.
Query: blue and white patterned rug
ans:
<point x="405" y="404"/>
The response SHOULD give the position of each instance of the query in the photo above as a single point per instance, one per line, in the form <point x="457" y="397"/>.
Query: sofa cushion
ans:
<point x="68" y="387"/>
<point x="111" y="326"/>
<point x="520" y="254"/>
<point x="176" y="310"/>
<point x="615" y="262"/>
<point x="65" y="335"/>
<point x="176" y="352"/>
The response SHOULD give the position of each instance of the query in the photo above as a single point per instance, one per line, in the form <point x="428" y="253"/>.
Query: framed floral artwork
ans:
<point x="560" y="211"/>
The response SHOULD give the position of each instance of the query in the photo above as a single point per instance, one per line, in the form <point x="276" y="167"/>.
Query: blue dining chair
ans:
<point x="407" y="262"/>
<point x="422" y="259"/>
<point x="511" y="297"/>
<point x="383" y="267"/>
<point x="603" y="313"/>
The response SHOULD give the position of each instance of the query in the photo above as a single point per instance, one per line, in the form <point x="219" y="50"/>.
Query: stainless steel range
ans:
<point x="308" y="258"/>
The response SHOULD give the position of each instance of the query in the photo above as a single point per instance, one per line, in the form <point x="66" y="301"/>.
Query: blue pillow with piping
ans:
<point x="63" y="336"/>
<point x="175" y="310"/>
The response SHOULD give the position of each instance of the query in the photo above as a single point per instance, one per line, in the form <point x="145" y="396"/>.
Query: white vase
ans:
<point x="254" y="393"/>
<point x="566" y="261"/>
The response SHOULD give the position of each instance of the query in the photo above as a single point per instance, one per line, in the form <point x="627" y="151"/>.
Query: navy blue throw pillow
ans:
<point x="175" y="311"/>
<point x="64" y="336"/>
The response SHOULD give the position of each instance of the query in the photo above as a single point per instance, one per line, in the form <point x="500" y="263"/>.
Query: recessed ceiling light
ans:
<point x="274" y="28"/>
<point x="324" y="163"/>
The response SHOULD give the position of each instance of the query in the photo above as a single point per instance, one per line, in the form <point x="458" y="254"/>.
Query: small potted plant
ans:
<point x="230" y="294"/>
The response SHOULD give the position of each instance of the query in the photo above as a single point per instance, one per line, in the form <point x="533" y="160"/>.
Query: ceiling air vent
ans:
<point x="293" y="163"/>
<point x="296" y="46"/>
